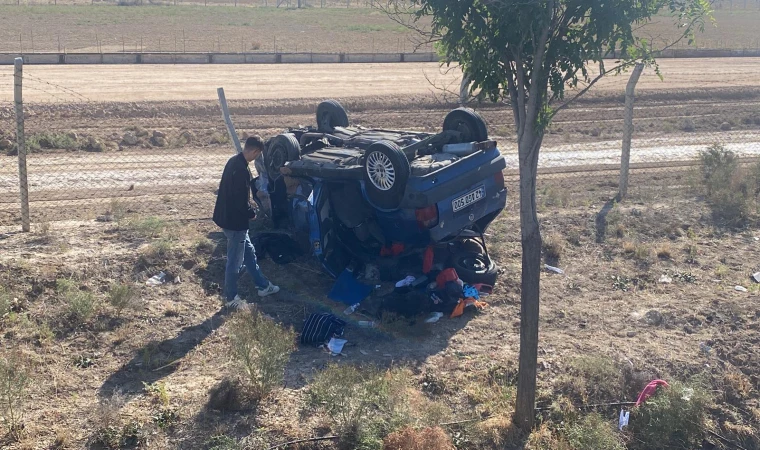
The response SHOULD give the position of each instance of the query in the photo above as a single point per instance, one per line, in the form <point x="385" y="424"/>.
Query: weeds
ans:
<point x="39" y="141"/>
<point x="730" y="190"/>
<point x="553" y="247"/>
<point x="621" y="283"/>
<point x="82" y="305"/>
<point x="722" y="271"/>
<point x="6" y="301"/>
<point x="222" y="442"/>
<point x="158" y="392"/>
<point x="673" y="418"/>
<point x="165" y="418"/>
<point x="261" y="348"/>
<point x="118" y="210"/>
<point x="149" y="227"/>
<point x="629" y="247"/>
<point x="664" y="251"/>
<point x="596" y="378"/>
<point x="423" y="439"/>
<point x="204" y="245"/>
<point x="641" y="252"/>
<point x="14" y="381"/>
<point x="122" y="296"/>
<point x="593" y="432"/>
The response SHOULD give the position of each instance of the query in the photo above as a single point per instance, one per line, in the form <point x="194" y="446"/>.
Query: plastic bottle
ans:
<point x="366" y="324"/>
<point x="351" y="309"/>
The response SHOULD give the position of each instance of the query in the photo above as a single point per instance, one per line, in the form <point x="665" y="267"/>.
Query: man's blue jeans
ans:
<point x="239" y="251"/>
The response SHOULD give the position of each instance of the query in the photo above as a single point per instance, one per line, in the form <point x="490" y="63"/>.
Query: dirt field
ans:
<point x="595" y="322"/>
<point x="92" y="28"/>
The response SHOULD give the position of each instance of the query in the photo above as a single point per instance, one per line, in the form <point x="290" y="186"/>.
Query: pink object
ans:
<point x="650" y="389"/>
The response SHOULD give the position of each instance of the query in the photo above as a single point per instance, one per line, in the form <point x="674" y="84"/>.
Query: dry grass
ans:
<point x="665" y="251"/>
<point x="423" y="439"/>
<point x="14" y="382"/>
<point x="553" y="246"/>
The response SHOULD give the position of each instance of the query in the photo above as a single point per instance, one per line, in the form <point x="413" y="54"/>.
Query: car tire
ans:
<point x="281" y="149"/>
<point x="475" y="268"/>
<point x="467" y="122"/>
<point x="331" y="114"/>
<point x="386" y="171"/>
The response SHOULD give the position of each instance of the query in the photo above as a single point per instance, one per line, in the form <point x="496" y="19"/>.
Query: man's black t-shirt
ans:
<point x="233" y="207"/>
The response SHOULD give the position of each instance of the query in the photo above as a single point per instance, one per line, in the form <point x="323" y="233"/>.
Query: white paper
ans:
<point x="336" y="345"/>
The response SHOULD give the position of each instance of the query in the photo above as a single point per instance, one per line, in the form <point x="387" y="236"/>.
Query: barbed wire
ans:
<point x="57" y="86"/>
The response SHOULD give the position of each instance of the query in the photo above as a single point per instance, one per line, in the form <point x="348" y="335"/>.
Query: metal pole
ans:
<point x="625" y="158"/>
<point x="228" y="120"/>
<point x="22" y="180"/>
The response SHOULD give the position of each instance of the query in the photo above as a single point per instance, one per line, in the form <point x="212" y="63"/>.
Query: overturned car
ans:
<point x="399" y="200"/>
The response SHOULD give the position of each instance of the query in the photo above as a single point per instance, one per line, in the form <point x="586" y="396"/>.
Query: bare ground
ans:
<point x="598" y="308"/>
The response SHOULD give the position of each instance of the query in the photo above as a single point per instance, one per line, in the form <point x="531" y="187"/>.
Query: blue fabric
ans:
<point x="239" y="251"/>
<point x="471" y="292"/>
<point x="348" y="290"/>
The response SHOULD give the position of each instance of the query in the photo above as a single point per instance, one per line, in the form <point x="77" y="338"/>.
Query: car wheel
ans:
<point x="386" y="171"/>
<point x="331" y="114"/>
<point x="467" y="122"/>
<point x="282" y="148"/>
<point x="474" y="268"/>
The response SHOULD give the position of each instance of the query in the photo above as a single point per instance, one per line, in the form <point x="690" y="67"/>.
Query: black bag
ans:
<point x="280" y="247"/>
<point x="319" y="328"/>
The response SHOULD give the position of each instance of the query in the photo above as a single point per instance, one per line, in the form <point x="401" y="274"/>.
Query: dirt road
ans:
<point x="136" y="83"/>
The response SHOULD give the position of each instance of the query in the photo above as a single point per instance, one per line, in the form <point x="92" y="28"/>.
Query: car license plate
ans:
<point x="469" y="198"/>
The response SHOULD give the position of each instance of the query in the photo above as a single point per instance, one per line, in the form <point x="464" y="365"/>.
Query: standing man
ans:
<point x="232" y="212"/>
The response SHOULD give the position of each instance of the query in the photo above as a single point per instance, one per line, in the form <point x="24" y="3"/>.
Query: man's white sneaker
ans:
<point x="236" y="303"/>
<point x="269" y="290"/>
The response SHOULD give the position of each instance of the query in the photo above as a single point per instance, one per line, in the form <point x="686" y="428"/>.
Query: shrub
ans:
<point x="553" y="248"/>
<point x="149" y="227"/>
<point x="672" y="418"/>
<point x="664" y="251"/>
<point x="730" y="190"/>
<point x="261" y="348"/>
<point x="14" y="380"/>
<point x="593" y="432"/>
<point x="122" y="296"/>
<point x="82" y="305"/>
<point x="6" y="300"/>
<point x="595" y="379"/>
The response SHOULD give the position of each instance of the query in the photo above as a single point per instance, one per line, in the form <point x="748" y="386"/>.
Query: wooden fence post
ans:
<point x="228" y="120"/>
<point x="20" y="143"/>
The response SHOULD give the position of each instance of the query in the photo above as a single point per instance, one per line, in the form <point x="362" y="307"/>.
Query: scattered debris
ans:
<point x="434" y="317"/>
<point x="756" y="277"/>
<point x="665" y="279"/>
<point x="351" y="309"/>
<point x="366" y="324"/>
<point x="336" y="346"/>
<point x="623" y="421"/>
<point x="704" y="348"/>
<point x="104" y="218"/>
<point x="725" y="126"/>
<point x="156" y="280"/>
<point x="554" y="269"/>
<point x="741" y="289"/>
<point x="631" y="334"/>
<point x="364" y="352"/>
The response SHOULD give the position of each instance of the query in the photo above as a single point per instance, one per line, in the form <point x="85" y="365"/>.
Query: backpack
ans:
<point x="320" y="327"/>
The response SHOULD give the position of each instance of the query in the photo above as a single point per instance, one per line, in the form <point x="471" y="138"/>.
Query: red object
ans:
<point x="394" y="250"/>
<point x="649" y="390"/>
<point x="427" y="260"/>
<point x="445" y="276"/>
<point x="427" y="217"/>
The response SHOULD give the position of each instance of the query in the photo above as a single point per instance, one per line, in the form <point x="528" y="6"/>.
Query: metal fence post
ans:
<point x="228" y="120"/>
<point x="22" y="179"/>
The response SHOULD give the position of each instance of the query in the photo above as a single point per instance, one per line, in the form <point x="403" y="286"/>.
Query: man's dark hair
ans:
<point x="254" y="143"/>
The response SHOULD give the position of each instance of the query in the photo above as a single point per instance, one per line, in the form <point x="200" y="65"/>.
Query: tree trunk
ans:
<point x="528" y="148"/>
<point x="625" y="157"/>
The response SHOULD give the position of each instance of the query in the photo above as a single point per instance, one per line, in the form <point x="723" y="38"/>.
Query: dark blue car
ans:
<point x="378" y="196"/>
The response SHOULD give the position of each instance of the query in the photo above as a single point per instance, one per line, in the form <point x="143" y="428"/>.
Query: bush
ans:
<point x="672" y="418"/>
<point x="14" y="380"/>
<point x="82" y="305"/>
<point x="593" y="432"/>
<point x="38" y="141"/>
<point x="730" y="190"/>
<point x="365" y="404"/>
<point x="261" y="348"/>
<point x="122" y="296"/>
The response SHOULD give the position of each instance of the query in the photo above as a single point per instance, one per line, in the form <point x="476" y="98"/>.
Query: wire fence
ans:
<point x="93" y="160"/>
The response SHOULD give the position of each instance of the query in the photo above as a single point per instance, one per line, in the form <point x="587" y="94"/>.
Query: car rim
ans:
<point x="325" y="121"/>
<point x="380" y="170"/>
<point x="474" y="263"/>
<point x="277" y="158"/>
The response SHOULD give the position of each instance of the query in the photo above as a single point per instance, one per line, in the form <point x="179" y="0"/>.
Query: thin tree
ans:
<point x="530" y="54"/>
